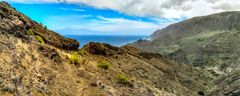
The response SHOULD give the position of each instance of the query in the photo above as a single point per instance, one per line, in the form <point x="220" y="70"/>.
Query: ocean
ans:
<point x="113" y="40"/>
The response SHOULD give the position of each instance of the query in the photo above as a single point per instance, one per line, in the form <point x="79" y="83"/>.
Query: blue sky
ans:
<point x="72" y="19"/>
<point x="116" y="17"/>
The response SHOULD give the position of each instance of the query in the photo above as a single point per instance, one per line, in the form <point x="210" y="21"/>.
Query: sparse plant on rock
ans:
<point x="40" y="39"/>
<point x="73" y="58"/>
<point x="104" y="64"/>
<point x="30" y="32"/>
<point x="82" y="52"/>
<point x="122" y="79"/>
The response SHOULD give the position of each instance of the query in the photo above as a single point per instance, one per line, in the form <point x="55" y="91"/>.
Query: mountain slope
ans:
<point x="37" y="62"/>
<point x="18" y="25"/>
<point x="215" y="22"/>
<point x="209" y="42"/>
<point x="199" y="41"/>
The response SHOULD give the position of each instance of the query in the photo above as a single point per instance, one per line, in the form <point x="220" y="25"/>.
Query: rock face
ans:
<point x="13" y="22"/>
<point x="38" y="62"/>
<point x="102" y="49"/>
<point x="209" y="42"/>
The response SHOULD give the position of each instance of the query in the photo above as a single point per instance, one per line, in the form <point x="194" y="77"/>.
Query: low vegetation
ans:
<point x="104" y="64"/>
<point x="82" y="52"/>
<point x="30" y="32"/>
<point x="122" y="79"/>
<point x="40" y="39"/>
<point x="74" y="58"/>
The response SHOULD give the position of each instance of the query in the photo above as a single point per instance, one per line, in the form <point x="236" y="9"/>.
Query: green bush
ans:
<point x="122" y="79"/>
<point x="82" y="52"/>
<point x="104" y="65"/>
<point x="73" y="58"/>
<point x="40" y="39"/>
<point x="30" y="32"/>
<point x="45" y="27"/>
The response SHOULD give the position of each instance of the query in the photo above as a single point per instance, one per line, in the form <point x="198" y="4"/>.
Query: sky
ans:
<point x="117" y="17"/>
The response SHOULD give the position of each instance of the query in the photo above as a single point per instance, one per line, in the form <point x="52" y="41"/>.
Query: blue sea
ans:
<point x="113" y="40"/>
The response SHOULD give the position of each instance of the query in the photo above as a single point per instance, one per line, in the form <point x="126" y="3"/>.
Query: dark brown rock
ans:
<point x="102" y="49"/>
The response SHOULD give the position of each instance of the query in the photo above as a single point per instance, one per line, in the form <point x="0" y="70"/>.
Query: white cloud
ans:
<point x="113" y="24"/>
<point x="34" y="1"/>
<point x="102" y="25"/>
<point x="68" y="9"/>
<point x="156" y="8"/>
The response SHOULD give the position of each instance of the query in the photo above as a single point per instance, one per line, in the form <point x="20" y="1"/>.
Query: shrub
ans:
<point x="82" y="52"/>
<point x="40" y="39"/>
<point x="45" y="27"/>
<point x="30" y="32"/>
<point x="73" y="58"/>
<point x="122" y="79"/>
<point x="8" y="88"/>
<point x="104" y="65"/>
<point x="5" y="9"/>
<point x="201" y="93"/>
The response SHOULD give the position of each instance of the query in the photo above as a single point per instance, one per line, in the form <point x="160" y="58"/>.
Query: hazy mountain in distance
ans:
<point x="209" y="42"/>
<point x="71" y="31"/>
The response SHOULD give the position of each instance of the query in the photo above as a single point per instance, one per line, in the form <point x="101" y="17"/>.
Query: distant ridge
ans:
<point x="209" y="42"/>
